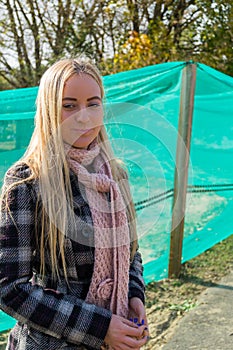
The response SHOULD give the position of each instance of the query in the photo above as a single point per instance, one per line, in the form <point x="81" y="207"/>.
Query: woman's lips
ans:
<point x="82" y="131"/>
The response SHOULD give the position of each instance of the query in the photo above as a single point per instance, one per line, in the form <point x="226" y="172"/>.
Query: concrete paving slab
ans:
<point x="210" y="324"/>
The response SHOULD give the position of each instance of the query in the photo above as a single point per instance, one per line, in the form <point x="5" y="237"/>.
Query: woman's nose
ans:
<point x="82" y="115"/>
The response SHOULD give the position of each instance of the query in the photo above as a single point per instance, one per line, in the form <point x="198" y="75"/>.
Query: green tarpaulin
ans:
<point x="142" y="111"/>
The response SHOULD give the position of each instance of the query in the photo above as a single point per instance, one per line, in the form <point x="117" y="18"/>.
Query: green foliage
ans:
<point x="134" y="53"/>
<point x="4" y="85"/>
<point x="216" y="40"/>
<point x="185" y="306"/>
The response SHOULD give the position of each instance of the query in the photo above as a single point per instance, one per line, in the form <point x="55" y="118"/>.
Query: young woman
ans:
<point x="70" y="271"/>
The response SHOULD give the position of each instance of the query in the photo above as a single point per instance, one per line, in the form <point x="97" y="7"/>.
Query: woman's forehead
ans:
<point x="82" y="84"/>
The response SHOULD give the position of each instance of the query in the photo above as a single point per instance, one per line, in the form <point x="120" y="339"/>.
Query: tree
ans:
<point x="35" y="33"/>
<point x="135" y="52"/>
<point x="216" y="35"/>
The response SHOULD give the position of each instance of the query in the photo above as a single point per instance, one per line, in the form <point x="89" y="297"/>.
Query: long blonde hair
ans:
<point x="46" y="158"/>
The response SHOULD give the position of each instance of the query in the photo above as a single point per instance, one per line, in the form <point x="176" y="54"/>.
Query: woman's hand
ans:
<point x="125" y="335"/>
<point x="137" y="309"/>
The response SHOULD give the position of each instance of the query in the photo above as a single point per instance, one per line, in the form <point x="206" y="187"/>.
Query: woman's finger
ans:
<point x="130" y="323"/>
<point x="135" y="343"/>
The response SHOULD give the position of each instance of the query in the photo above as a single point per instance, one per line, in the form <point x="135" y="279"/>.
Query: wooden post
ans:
<point x="181" y="169"/>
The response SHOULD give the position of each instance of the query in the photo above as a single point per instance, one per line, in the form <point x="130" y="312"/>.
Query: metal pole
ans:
<point x="181" y="169"/>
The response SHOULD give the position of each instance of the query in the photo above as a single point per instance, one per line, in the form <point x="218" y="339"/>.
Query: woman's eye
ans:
<point x="94" y="105"/>
<point x="68" y="106"/>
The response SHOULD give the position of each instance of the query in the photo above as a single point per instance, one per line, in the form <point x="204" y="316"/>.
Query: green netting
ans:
<point x="142" y="110"/>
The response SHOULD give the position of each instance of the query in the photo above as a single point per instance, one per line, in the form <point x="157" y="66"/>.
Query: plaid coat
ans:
<point x="50" y="315"/>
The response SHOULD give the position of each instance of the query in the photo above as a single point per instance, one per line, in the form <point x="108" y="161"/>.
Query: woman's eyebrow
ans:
<point x="88" y="99"/>
<point x="69" y="98"/>
<point x="94" y="98"/>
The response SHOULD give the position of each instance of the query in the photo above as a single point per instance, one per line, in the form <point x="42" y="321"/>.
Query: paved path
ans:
<point x="209" y="326"/>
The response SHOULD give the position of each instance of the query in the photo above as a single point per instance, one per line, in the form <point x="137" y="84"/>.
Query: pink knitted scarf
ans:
<point x="109" y="284"/>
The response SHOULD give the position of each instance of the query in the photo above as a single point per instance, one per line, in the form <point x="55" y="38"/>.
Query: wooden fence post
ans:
<point x="181" y="169"/>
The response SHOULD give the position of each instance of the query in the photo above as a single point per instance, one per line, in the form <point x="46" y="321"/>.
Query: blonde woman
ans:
<point x="70" y="271"/>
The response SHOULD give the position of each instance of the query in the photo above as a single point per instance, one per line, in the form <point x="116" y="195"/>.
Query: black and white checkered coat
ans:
<point x="50" y="315"/>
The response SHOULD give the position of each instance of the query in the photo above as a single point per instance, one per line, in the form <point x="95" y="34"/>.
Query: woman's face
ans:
<point x="82" y="110"/>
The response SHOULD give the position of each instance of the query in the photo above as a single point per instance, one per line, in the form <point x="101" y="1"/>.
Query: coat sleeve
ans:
<point x="136" y="281"/>
<point x="58" y="315"/>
